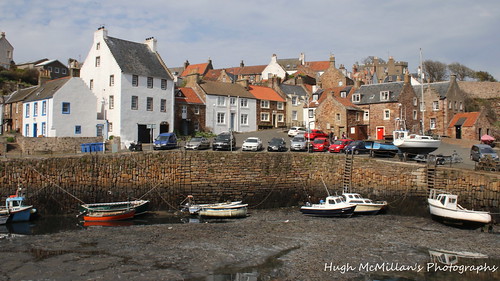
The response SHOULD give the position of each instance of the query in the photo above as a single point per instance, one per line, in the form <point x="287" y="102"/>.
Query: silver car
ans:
<point x="298" y="143"/>
<point x="197" y="143"/>
<point x="252" y="144"/>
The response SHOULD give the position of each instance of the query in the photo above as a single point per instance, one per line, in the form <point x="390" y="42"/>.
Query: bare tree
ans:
<point x="435" y="71"/>
<point x="461" y="71"/>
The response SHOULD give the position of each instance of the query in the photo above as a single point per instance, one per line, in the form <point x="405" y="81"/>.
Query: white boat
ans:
<point x="444" y="207"/>
<point x="4" y="216"/>
<point x="224" y="209"/>
<point x="364" y="206"/>
<point x="452" y="257"/>
<point x="413" y="143"/>
<point x="333" y="206"/>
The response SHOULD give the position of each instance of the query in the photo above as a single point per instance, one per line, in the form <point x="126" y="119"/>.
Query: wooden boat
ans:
<point x="364" y="206"/>
<point x="14" y="206"/>
<point x="140" y="206"/>
<point x="4" y="216"/>
<point x="108" y="223"/>
<point x="452" y="257"/>
<point x="111" y="215"/>
<point x="224" y="211"/>
<point x="443" y="207"/>
<point x="333" y="206"/>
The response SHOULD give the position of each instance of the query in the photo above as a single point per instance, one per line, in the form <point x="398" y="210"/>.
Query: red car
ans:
<point x="339" y="145"/>
<point x="313" y="134"/>
<point x="320" y="144"/>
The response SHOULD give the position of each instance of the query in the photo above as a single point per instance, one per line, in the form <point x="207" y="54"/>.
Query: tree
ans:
<point x="435" y="71"/>
<point x="484" y="76"/>
<point x="461" y="71"/>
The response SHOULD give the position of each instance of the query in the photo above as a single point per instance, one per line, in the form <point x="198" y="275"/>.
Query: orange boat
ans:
<point x="108" y="223"/>
<point x="114" y="215"/>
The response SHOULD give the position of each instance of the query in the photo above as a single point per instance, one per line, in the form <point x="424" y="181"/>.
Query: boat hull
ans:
<point x="417" y="146"/>
<point x="109" y="216"/>
<point x="223" y="212"/>
<point x="460" y="216"/>
<point x="22" y="214"/>
<point x="368" y="209"/>
<point x="3" y="219"/>
<point x="328" y="212"/>
<point x="140" y="206"/>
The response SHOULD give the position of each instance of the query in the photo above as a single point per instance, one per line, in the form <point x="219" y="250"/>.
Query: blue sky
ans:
<point x="230" y="31"/>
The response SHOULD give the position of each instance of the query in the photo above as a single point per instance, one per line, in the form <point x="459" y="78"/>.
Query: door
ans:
<point x="164" y="127"/>
<point x="233" y="116"/>
<point x="143" y="133"/>
<point x="35" y="130"/>
<point x="380" y="133"/>
<point x="458" y="132"/>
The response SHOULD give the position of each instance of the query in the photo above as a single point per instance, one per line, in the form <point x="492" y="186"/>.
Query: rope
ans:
<point x="55" y="184"/>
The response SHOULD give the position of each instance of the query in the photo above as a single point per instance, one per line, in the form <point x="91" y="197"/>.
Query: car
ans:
<point x="224" y="141"/>
<point x="339" y="145"/>
<point x="252" y="144"/>
<point x="277" y="144"/>
<point x="480" y="151"/>
<point x="320" y="144"/>
<point x="314" y="133"/>
<point x="298" y="143"/>
<point x="197" y="143"/>
<point x="357" y="147"/>
<point x="296" y="131"/>
<point x="165" y="141"/>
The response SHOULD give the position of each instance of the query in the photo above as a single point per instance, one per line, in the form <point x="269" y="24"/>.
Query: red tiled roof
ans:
<point x="212" y="74"/>
<point x="318" y="65"/>
<point x="190" y="96"/>
<point x="470" y="119"/>
<point x="200" y="68"/>
<point x="265" y="93"/>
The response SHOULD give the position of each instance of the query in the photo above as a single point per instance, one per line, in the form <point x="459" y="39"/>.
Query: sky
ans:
<point x="229" y="31"/>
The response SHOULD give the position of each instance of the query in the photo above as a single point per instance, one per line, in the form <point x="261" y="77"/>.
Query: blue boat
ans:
<point x="16" y="209"/>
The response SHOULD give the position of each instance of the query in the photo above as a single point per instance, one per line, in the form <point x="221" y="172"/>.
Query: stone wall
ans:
<point x="53" y="144"/>
<point x="60" y="185"/>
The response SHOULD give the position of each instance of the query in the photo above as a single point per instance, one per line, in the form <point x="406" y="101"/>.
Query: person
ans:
<point x="330" y="136"/>
<point x="343" y="135"/>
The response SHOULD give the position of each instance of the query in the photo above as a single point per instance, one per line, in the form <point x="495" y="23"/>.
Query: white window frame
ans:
<point x="111" y="101"/>
<point x="232" y="100"/>
<point x="366" y="115"/>
<point x="264" y="116"/>
<point x="197" y="110"/>
<point x="295" y="100"/>
<point x="264" y="104"/>
<point x="356" y="98"/>
<point x="387" y="114"/>
<point x="310" y="113"/>
<point x="111" y="80"/>
<point x="281" y="118"/>
<point x="221" y="101"/>
<point x="415" y="101"/>
<point x="432" y="123"/>
<point x="97" y="61"/>
<point x="244" y="119"/>
<point x="295" y="115"/>
<point x="280" y="105"/>
<point x="385" y="95"/>
<point x="135" y="80"/>
<point x="244" y="102"/>
<point x="221" y="118"/>
<point x="343" y="94"/>
<point x="435" y="105"/>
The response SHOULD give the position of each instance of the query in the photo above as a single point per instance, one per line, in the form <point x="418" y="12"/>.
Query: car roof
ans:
<point x="481" y="145"/>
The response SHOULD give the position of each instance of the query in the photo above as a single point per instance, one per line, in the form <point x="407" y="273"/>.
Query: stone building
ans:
<point x="190" y="113"/>
<point x="470" y="126"/>
<point x="271" y="107"/>
<point x="335" y="77"/>
<point x="379" y="71"/>
<point x="6" y="52"/>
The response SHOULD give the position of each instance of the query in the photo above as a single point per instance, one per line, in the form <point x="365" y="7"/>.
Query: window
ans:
<point x="164" y="84"/>
<point x="184" y="110"/>
<point x="98" y="45"/>
<point x="387" y="114"/>
<point x="135" y="80"/>
<point x="150" y="82"/>
<point x="27" y="130"/>
<point x="358" y="116"/>
<point x="134" y="105"/>
<point x="455" y="105"/>
<point x="449" y="105"/>
<point x="244" y="119"/>
<point x="415" y="102"/>
<point x="366" y="115"/>
<point x="280" y="118"/>
<point x="78" y="130"/>
<point x="294" y="115"/>
<point x="432" y="124"/>
<point x="66" y="108"/>
<point x="111" y="80"/>
<point x="44" y="129"/>
<point x="356" y="98"/>
<point x="384" y="95"/>
<point x="149" y="104"/>
<point x="315" y="97"/>
<point x="35" y="109"/>
<point x="49" y="68"/>
<point x="244" y="102"/>
<point x="99" y="130"/>
<point x="197" y="126"/>
<point x="111" y="102"/>
<point x="197" y="110"/>
<point x="27" y="110"/>
<point x="221" y="116"/>
<point x="97" y="61"/>
<point x="280" y="106"/>
<point x="91" y="84"/>
<point x="461" y="106"/>
<point x="44" y="108"/>
<point x="338" y="117"/>
<point x="56" y="69"/>
<point x="232" y="101"/>
<point x="414" y="115"/>
<point x="435" y="105"/>
<point x="264" y="116"/>
<point x="311" y="113"/>
<point x="295" y="101"/>
<point x="163" y="105"/>
<point x="63" y="71"/>
<point x="110" y="127"/>
<point x="264" y="104"/>
<point x="343" y="94"/>
<point x="221" y="101"/>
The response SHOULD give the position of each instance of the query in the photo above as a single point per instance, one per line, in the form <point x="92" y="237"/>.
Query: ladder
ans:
<point x="347" y="175"/>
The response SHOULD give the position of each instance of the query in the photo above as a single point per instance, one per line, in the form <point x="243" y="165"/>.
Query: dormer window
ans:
<point x="356" y="97"/>
<point x="315" y="97"/>
<point x="343" y="94"/>
<point x="384" y="95"/>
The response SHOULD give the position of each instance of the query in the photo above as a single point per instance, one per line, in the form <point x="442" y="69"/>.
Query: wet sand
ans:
<point x="275" y="244"/>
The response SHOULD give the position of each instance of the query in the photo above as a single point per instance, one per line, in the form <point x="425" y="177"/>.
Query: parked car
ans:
<point x="314" y="133"/>
<point x="357" y="147"/>
<point x="224" y="141"/>
<point x="165" y="141"/>
<point x="277" y="144"/>
<point x="197" y="143"/>
<point x="298" y="143"/>
<point x="479" y="151"/>
<point x="252" y="144"/>
<point x="320" y="144"/>
<point x="339" y="145"/>
<point x="296" y="131"/>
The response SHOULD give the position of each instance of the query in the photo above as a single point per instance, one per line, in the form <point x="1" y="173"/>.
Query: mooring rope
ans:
<point x="67" y="192"/>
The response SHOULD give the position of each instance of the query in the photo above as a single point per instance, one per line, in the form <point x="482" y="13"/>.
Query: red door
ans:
<point x="380" y="133"/>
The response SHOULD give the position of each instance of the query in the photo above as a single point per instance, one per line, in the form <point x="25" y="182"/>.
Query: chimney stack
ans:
<point x="43" y="76"/>
<point x="242" y="64"/>
<point x="151" y="42"/>
<point x="244" y="83"/>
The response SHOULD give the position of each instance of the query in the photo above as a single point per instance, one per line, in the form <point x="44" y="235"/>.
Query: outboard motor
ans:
<point x="135" y="146"/>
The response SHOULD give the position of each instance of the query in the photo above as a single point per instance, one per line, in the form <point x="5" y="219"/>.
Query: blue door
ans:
<point x="35" y="130"/>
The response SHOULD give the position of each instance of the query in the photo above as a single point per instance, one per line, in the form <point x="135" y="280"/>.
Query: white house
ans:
<point x="273" y="69"/>
<point x="134" y="89"/>
<point x="60" y="108"/>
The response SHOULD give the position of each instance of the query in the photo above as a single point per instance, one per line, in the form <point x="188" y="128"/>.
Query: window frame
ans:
<point x="221" y="118"/>
<point x="150" y="84"/>
<point x="134" y="100"/>
<point x="111" y="102"/>
<point x="163" y="105"/>
<point x="265" y="104"/>
<point x="164" y="84"/>
<point x="135" y="80"/>
<point x="387" y="114"/>
<point x="44" y="108"/>
<point x="356" y="98"/>
<point x="35" y="109"/>
<point x="385" y="95"/>
<point x="66" y="110"/>
<point x="244" y="102"/>
<point x="98" y="61"/>
<point x="244" y="119"/>
<point x="149" y="104"/>
<point x="78" y="129"/>
<point x="27" y="110"/>
<point x="264" y="117"/>
<point x="111" y="80"/>
<point x="280" y="105"/>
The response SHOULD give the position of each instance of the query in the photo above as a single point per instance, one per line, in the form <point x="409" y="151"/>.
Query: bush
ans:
<point x="11" y="139"/>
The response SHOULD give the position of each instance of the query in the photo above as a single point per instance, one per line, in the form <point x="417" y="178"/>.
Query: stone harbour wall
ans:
<point x="263" y="180"/>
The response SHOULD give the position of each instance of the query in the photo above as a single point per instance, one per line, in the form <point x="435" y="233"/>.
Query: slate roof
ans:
<point x="188" y="95"/>
<point x="344" y="101"/>
<point x="293" y="90"/>
<point x="440" y="87"/>
<point x="136" y="58"/>
<point x="466" y="119"/>
<point x="20" y="95"/>
<point x="265" y="93"/>
<point x="371" y="93"/>
<point x="47" y="90"/>
<point x="225" y="89"/>
<point x="289" y="64"/>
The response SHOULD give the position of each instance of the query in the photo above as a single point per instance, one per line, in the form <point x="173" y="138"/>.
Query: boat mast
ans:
<point x="422" y="104"/>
